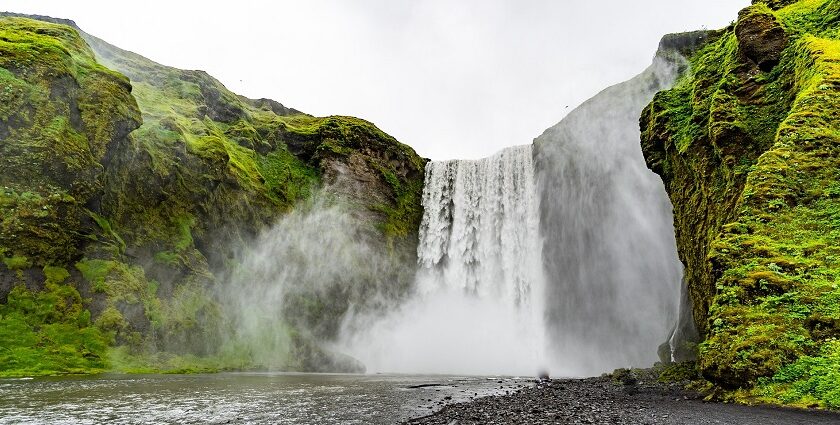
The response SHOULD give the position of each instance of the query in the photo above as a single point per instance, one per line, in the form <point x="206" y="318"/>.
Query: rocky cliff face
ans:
<point x="748" y="145"/>
<point x="129" y="187"/>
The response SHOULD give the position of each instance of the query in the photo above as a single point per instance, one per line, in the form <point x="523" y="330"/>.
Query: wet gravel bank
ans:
<point x="605" y="401"/>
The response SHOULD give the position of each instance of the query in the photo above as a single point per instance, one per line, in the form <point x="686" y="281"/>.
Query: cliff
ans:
<point x="129" y="188"/>
<point x="748" y="146"/>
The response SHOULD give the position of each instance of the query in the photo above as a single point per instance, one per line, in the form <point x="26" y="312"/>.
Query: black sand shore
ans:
<point x="604" y="401"/>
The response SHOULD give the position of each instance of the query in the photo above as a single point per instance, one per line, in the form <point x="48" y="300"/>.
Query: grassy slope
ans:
<point x="139" y="223"/>
<point x="750" y="157"/>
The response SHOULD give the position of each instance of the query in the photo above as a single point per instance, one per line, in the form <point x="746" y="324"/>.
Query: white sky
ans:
<point x="452" y="79"/>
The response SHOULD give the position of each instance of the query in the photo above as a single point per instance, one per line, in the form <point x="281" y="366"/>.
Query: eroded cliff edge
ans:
<point x="129" y="188"/>
<point x="748" y="146"/>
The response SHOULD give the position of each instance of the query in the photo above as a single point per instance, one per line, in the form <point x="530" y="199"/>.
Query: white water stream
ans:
<point x="479" y="289"/>
<point x="558" y="256"/>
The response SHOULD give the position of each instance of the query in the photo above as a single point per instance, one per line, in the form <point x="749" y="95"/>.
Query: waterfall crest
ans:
<point x="480" y="230"/>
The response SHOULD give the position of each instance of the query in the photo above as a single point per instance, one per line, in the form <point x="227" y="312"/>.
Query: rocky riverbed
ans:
<point x="605" y="400"/>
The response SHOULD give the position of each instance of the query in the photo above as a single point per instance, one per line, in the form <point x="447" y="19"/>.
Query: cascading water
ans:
<point x="610" y="251"/>
<point x="563" y="258"/>
<point x="480" y="230"/>
<point x="479" y="287"/>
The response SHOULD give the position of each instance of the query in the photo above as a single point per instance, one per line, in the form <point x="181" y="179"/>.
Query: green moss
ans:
<point x="49" y="332"/>
<point x="189" y="318"/>
<point x="810" y="381"/>
<point x="56" y="275"/>
<point x="17" y="262"/>
<point x="39" y="223"/>
<point x="753" y="179"/>
<point x="119" y="281"/>
<point x="112" y="238"/>
<point x="77" y="106"/>
<point x="287" y="179"/>
<point x="168" y="258"/>
<point x="111" y="320"/>
<point x="144" y="214"/>
<point x="185" y="239"/>
<point x="59" y="110"/>
<point x="125" y="361"/>
<point x="815" y="17"/>
<point x="679" y="372"/>
<point x="403" y="218"/>
<point x="95" y="272"/>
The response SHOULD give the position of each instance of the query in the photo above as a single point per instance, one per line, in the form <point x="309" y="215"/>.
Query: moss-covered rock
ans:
<point x="147" y="218"/>
<point x="748" y="145"/>
<point x="49" y="330"/>
<point x="60" y="113"/>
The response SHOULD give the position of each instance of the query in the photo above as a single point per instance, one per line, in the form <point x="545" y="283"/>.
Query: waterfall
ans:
<point x="477" y="306"/>
<point x="555" y="256"/>
<point x="480" y="229"/>
<point x="610" y="253"/>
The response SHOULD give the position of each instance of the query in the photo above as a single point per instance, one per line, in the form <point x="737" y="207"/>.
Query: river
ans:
<point x="223" y="398"/>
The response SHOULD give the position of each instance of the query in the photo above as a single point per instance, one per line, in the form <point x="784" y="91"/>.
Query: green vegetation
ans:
<point x="810" y="381"/>
<point x="748" y="144"/>
<point x="59" y="110"/>
<point x="49" y="331"/>
<point x="122" y="360"/>
<point x="137" y="184"/>
<point x="679" y="372"/>
<point x="17" y="263"/>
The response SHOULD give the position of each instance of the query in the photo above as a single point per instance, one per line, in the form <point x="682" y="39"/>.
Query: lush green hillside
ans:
<point x="748" y="145"/>
<point x="129" y="188"/>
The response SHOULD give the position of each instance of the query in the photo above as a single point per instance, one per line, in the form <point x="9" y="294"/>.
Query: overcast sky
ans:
<point x="453" y="79"/>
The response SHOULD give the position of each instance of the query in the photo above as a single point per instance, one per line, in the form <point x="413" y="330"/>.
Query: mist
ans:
<point x="610" y="251"/>
<point x="558" y="256"/>
<point x="286" y="293"/>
